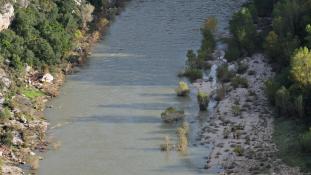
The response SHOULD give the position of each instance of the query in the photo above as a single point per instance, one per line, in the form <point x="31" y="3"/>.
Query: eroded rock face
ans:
<point x="6" y="16"/>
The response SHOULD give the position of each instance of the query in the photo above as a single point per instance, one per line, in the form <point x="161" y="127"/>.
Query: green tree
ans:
<point x="243" y="30"/>
<point x="282" y="101"/>
<point x="301" y="67"/>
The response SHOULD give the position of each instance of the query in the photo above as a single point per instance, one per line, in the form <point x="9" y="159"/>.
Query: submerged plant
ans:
<point x="183" y="89"/>
<point x="171" y="115"/>
<point x="203" y="100"/>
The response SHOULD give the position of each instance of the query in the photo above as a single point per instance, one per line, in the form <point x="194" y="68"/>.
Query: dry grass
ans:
<point x="34" y="162"/>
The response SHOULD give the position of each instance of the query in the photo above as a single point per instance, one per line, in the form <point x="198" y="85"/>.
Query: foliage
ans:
<point x="224" y="74"/>
<point x="301" y="66"/>
<point x="193" y="74"/>
<point x="172" y="115"/>
<point x="183" y="89"/>
<point x="238" y="150"/>
<point x="236" y="110"/>
<point x="203" y="100"/>
<point x="243" y="30"/>
<point x="5" y="114"/>
<point x="239" y="81"/>
<point x="271" y="87"/>
<point x="305" y="141"/>
<point x="31" y="93"/>
<point x="282" y="101"/>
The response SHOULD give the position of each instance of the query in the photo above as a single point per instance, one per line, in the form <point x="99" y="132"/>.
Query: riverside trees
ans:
<point x="282" y="30"/>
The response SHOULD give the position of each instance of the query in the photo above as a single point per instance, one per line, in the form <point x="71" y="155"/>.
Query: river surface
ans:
<point x="109" y="112"/>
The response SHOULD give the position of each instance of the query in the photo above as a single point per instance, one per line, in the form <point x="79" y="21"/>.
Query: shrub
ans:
<point x="301" y="66"/>
<point x="220" y="93"/>
<point x="5" y="114"/>
<point x="167" y="145"/>
<point x="238" y="81"/>
<point x="299" y="106"/>
<point x="7" y="137"/>
<point x="31" y="93"/>
<point x="193" y="74"/>
<point x="243" y="30"/>
<point x="236" y="110"/>
<point x="242" y="68"/>
<point x="271" y="88"/>
<point x="223" y="73"/>
<point x="203" y="100"/>
<point x="182" y="145"/>
<point x="171" y="115"/>
<point x="305" y="141"/>
<point x="183" y="89"/>
<point x="282" y="101"/>
<point x="238" y="150"/>
<point x="233" y="51"/>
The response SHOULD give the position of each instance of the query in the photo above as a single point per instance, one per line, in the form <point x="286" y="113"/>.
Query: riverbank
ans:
<point x="241" y="127"/>
<point x="24" y="125"/>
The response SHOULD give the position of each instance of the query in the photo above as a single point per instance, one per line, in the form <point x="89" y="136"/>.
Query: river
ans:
<point x="109" y="112"/>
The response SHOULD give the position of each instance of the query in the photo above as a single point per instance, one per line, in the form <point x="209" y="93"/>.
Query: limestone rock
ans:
<point x="6" y="16"/>
<point x="47" y="78"/>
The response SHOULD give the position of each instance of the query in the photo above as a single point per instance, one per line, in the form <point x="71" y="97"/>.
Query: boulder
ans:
<point x="6" y="16"/>
<point x="47" y="78"/>
<point x="6" y="82"/>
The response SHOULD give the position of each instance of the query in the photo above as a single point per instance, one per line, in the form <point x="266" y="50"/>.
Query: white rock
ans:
<point x="6" y="81"/>
<point x="48" y="78"/>
<point x="17" y="140"/>
<point x="232" y="68"/>
<point x="6" y="16"/>
<point x="28" y="68"/>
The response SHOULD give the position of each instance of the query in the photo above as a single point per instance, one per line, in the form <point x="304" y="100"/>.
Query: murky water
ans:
<point x="109" y="112"/>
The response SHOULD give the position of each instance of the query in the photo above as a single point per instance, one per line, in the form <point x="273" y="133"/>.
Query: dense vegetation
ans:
<point x="44" y="32"/>
<point x="196" y="62"/>
<point x="282" y="30"/>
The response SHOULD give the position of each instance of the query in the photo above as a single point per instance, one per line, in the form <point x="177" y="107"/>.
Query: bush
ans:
<point x="244" y="31"/>
<point x="305" y="141"/>
<point x="238" y="81"/>
<point x="282" y="101"/>
<point x="223" y="74"/>
<point x="182" y="145"/>
<point x="242" y="68"/>
<point x="31" y="93"/>
<point x="236" y="110"/>
<point x="172" y="115"/>
<point x="183" y="89"/>
<point x="301" y="66"/>
<point x="7" y="137"/>
<point x="220" y="93"/>
<point x="167" y="145"/>
<point x="299" y="106"/>
<point x="193" y="74"/>
<point x="5" y="114"/>
<point x="203" y="100"/>
<point x="238" y="150"/>
<point x="233" y="51"/>
<point x="271" y="87"/>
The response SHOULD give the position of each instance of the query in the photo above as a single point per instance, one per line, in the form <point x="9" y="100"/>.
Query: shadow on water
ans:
<point x="139" y="106"/>
<point x="115" y="119"/>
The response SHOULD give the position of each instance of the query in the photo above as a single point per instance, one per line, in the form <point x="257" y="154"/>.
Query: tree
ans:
<point x="282" y="101"/>
<point x="86" y="14"/>
<point x="272" y="45"/>
<point x="301" y="67"/>
<point x="243" y="30"/>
